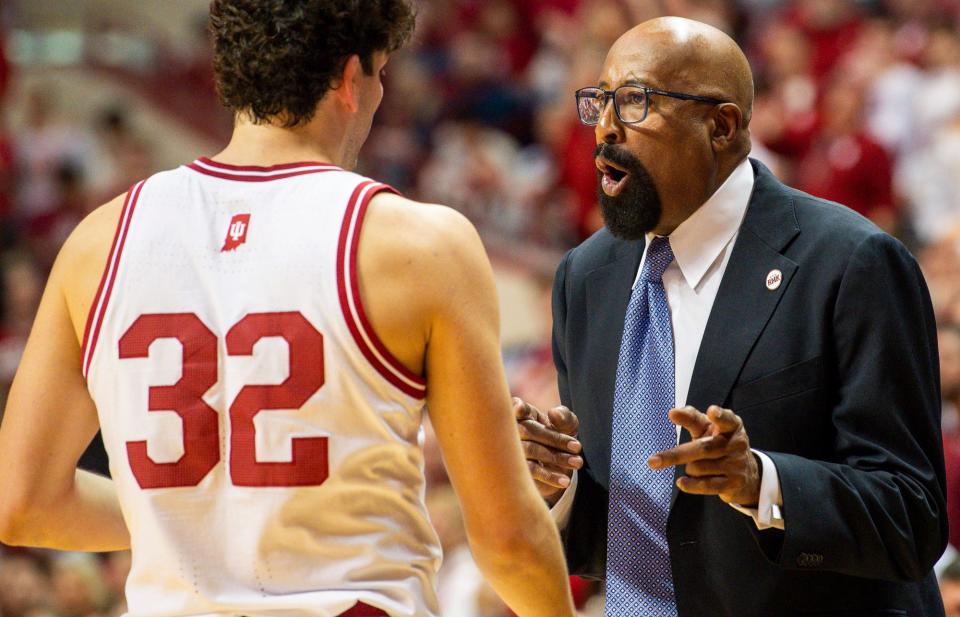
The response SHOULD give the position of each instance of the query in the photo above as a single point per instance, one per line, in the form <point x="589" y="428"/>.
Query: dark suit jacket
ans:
<point x="836" y="377"/>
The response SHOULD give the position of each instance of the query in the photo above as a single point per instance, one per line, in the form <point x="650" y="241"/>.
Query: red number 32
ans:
<point x="201" y="439"/>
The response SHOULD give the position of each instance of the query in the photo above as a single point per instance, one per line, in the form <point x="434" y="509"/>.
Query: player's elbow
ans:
<point x="502" y="556"/>
<point x="494" y="541"/>
<point x="20" y="510"/>
<point x="507" y="547"/>
<point x="13" y="521"/>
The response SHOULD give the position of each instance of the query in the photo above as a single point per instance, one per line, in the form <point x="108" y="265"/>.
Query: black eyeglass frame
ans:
<point x="647" y="91"/>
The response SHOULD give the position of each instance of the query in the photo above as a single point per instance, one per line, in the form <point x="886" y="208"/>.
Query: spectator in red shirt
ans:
<point x="47" y="231"/>
<point x="6" y="181"/>
<point x="844" y="163"/>
<point x="21" y="285"/>
<point x="785" y="108"/>
<point x="6" y="149"/>
<point x="831" y="26"/>
<point x="4" y="67"/>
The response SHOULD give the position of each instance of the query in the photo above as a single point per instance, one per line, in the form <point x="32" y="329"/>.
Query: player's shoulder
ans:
<point x="94" y="235"/>
<point x="90" y="240"/>
<point x="429" y="244"/>
<point x="83" y="256"/>
<point x="432" y="214"/>
<point x="410" y="226"/>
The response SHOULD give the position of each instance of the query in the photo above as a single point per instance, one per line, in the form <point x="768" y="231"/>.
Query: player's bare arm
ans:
<point x="440" y="273"/>
<point x="50" y="417"/>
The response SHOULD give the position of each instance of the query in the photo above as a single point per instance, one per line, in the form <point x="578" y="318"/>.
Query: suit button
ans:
<point x="809" y="560"/>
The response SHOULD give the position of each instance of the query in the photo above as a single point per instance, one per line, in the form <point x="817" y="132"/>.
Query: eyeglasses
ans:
<point x="630" y="102"/>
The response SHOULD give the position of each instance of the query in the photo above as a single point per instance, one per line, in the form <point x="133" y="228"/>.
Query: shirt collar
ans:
<point x="700" y="239"/>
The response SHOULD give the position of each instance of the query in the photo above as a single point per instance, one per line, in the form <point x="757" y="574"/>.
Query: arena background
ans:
<point x="856" y="101"/>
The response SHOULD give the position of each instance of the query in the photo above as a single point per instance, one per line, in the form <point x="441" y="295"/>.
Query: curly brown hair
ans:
<point x="275" y="59"/>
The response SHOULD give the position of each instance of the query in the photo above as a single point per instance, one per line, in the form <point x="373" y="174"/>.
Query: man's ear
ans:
<point x="347" y="88"/>
<point x="727" y="120"/>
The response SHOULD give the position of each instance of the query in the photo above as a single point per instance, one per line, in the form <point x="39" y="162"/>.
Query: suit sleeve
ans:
<point x="558" y="305"/>
<point x="876" y="509"/>
<point x="585" y="536"/>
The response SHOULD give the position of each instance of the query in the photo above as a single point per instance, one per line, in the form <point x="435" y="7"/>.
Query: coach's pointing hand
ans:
<point x="549" y="441"/>
<point x="718" y="459"/>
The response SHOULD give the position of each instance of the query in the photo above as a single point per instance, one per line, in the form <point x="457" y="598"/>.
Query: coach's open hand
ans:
<point x="549" y="441"/>
<point x="718" y="459"/>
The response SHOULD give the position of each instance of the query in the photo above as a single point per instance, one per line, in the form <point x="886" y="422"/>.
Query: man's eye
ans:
<point x="633" y="98"/>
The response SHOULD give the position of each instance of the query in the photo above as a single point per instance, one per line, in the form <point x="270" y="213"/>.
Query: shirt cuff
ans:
<point x="768" y="512"/>
<point x="561" y="510"/>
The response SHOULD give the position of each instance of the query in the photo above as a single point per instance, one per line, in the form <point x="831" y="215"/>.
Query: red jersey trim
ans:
<point x="364" y="610"/>
<point x="256" y="168"/>
<point x="348" y="288"/>
<point x="99" y="307"/>
<point x="252" y="173"/>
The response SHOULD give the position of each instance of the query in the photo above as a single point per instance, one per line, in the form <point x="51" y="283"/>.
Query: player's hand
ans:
<point x="718" y="459"/>
<point x="550" y="445"/>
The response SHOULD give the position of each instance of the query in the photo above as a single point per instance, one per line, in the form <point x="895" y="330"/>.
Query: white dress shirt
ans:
<point x="701" y="247"/>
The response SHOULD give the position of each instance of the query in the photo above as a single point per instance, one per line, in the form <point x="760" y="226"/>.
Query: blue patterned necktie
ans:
<point x="639" y="578"/>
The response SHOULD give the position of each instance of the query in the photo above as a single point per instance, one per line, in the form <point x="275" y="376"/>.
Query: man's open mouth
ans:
<point x="614" y="177"/>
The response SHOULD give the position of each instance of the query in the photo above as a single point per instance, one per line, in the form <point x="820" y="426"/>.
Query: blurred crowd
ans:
<point x="857" y="102"/>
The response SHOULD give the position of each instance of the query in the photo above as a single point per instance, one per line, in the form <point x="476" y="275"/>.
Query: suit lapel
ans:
<point x="744" y="303"/>
<point x="608" y="291"/>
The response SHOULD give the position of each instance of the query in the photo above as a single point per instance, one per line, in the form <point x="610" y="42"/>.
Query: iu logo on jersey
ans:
<point x="237" y="232"/>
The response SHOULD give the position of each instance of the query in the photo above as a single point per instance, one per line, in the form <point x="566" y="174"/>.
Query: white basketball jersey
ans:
<point x="265" y="445"/>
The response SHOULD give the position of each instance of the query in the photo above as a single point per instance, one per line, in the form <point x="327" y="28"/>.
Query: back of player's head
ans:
<point x="275" y="59"/>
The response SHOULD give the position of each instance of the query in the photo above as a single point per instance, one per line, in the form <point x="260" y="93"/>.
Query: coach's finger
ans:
<point x="714" y="446"/>
<point x="708" y="467"/>
<point x="525" y="411"/>
<point x="564" y="420"/>
<point x="690" y="418"/>
<point x="536" y="432"/>
<point x="711" y="485"/>
<point x="550" y="476"/>
<point x="724" y="419"/>
<point x="548" y="456"/>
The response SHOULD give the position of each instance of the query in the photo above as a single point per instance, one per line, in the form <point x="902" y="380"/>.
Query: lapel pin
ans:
<point x="774" y="278"/>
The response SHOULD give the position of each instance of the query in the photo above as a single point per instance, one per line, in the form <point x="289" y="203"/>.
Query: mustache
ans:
<point x="618" y="155"/>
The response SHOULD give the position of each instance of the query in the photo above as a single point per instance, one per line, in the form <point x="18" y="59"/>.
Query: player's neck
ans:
<point x="266" y="145"/>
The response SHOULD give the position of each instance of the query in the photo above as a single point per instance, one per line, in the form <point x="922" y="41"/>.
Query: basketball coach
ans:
<point x="754" y="370"/>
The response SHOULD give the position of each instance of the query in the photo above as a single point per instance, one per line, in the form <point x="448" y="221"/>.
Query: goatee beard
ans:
<point x="637" y="209"/>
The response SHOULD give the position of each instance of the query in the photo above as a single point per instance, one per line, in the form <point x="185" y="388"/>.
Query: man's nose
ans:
<point x="609" y="129"/>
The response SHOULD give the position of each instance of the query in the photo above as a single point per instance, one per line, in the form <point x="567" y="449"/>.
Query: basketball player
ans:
<point x="256" y="336"/>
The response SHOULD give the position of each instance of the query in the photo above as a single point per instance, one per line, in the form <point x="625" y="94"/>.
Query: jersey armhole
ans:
<point x="348" y="289"/>
<point x="102" y="298"/>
